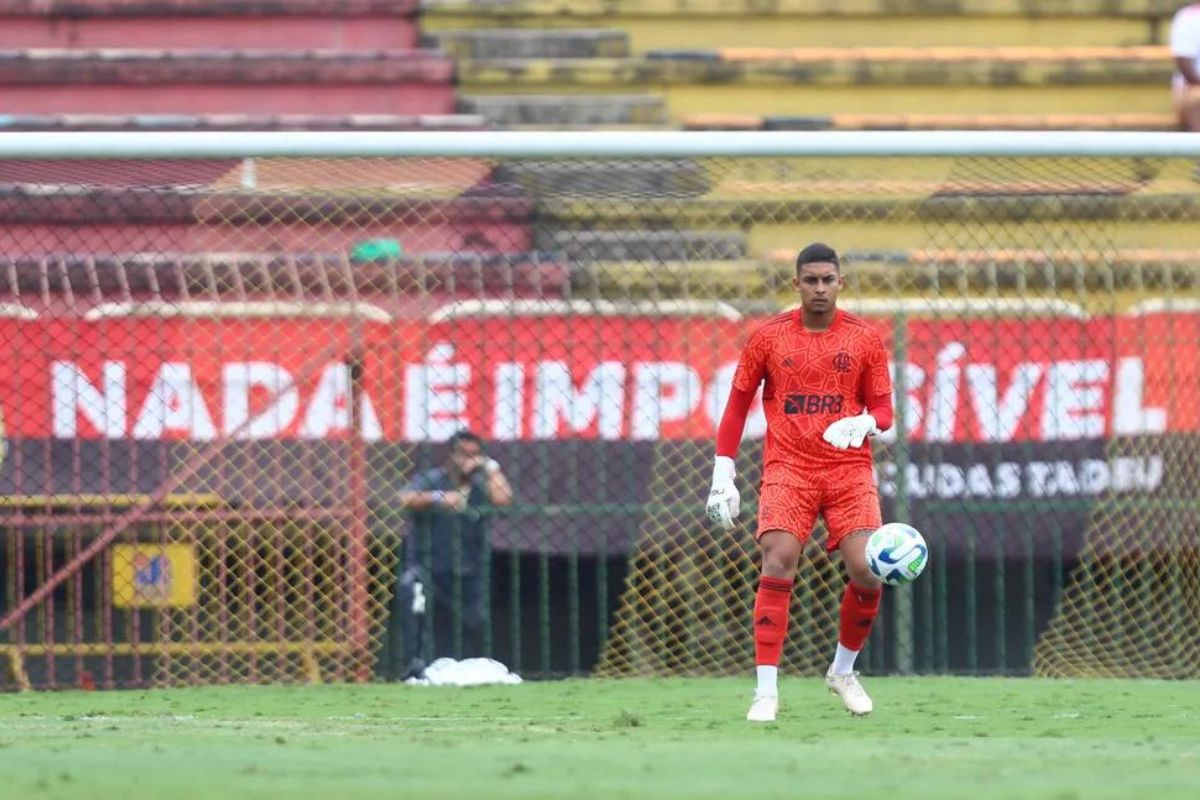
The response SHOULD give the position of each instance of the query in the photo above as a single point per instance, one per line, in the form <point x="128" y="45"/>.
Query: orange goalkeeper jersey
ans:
<point x="813" y="378"/>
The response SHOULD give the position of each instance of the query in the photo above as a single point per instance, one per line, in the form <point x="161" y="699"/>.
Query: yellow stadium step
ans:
<point x="956" y="55"/>
<point x="1149" y="260"/>
<point x="914" y="232"/>
<point x="1096" y="277"/>
<point x="898" y="211"/>
<point x="653" y="24"/>
<point x="824" y="81"/>
<point x="1120" y="277"/>
<point x="877" y="203"/>
<point x="930" y="122"/>
<point x="907" y="228"/>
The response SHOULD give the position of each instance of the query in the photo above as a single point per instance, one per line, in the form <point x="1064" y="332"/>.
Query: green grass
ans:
<point x="929" y="738"/>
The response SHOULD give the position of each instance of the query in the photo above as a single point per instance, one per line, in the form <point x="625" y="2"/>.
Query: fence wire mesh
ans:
<point x="222" y="375"/>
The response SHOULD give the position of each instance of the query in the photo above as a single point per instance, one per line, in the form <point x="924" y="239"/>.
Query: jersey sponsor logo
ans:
<point x="842" y="362"/>
<point x="812" y="404"/>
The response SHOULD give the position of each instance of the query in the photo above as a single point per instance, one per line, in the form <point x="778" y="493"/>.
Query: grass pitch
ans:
<point x="929" y="738"/>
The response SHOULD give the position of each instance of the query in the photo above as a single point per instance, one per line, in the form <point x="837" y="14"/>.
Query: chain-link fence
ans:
<point x="221" y="375"/>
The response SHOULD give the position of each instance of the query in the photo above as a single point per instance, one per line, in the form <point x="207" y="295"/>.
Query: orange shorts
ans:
<point x="849" y="502"/>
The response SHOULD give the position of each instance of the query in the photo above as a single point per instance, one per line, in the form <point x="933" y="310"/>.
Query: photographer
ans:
<point x="438" y="606"/>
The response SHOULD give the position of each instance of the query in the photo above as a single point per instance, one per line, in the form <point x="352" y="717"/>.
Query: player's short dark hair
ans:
<point x="817" y="253"/>
<point x="465" y="436"/>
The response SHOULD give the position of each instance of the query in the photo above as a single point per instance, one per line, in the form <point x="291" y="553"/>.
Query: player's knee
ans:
<point x="855" y="559"/>
<point x="863" y="577"/>
<point x="778" y="568"/>
<point x="780" y="554"/>
<point x="777" y="565"/>
<point x="857" y="569"/>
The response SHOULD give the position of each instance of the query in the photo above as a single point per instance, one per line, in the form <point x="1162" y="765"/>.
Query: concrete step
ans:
<point x="38" y="218"/>
<point x="335" y="24"/>
<point x="655" y="24"/>
<point x="399" y="286"/>
<point x="991" y="281"/>
<point x="1069" y="273"/>
<point x="930" y="122"/>
<point x="824" y="81"/>
<point x="885" y="223"/>
<point x="241" y="122"/>
<point x="226" y="82"/>
<point x="583" y="110"/>
<point x="580" y="178"/>
<point x="641" y="245"/>
<point x="885" y="204"/>
<point x="525" y="43"/>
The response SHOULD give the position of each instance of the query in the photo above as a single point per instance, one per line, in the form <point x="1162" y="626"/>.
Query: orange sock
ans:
<point x="771" y="619"/>
<point x="859" y="608"/>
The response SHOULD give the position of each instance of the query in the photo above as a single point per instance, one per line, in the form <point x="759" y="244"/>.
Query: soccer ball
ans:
<point x="897" y="553"/>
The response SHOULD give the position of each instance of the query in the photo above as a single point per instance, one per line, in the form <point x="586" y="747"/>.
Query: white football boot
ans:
<point x="854" y="697"/>
<point x="764" y="708"/>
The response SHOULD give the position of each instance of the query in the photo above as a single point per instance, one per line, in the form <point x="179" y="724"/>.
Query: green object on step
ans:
<point x="376" y="249"/>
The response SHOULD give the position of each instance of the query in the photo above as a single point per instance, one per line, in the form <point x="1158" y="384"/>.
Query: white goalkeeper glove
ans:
<point x="851" y="431"/>
<point x="724" y="502"/>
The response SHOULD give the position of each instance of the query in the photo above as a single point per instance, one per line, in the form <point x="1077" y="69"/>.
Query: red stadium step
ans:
<point x="107" y="207"/>
<point x="333" y="24"/>
<point x="437" y="235"/>
<point x="127" y="223"/>
<point x="226" y="82"/>
<point x="85" y="280"/>
<point x="362" y="33"/>
<point x="242" y="122"/>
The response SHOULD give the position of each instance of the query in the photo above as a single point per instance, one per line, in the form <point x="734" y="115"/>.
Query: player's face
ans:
<point x="818" y="284"/>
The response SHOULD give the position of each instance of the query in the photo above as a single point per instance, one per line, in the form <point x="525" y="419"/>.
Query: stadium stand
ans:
<point x="421" y="283"/>
<point x="218" y="206"/>
<point x="700" y="64"/>
<point x="682" y="24"/>
<point x="805" y="64"/>
<point x="209" y="24"/>
<point x="229" y="65"/>
<point x="696" y="64"/>
<point x="240" y="122"/>
<point x="812" y="65"/>
<point x="751" y="218"/>
<point x="225" y="82"/>
<point x="222" y="57"/>
<point x="1164" y="121"/>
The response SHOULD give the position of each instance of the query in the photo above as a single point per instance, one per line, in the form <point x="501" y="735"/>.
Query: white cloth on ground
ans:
<point x="468" y="672"/>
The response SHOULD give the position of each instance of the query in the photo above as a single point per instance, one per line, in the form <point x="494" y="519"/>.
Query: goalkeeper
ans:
<point x="826" y="389"/>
